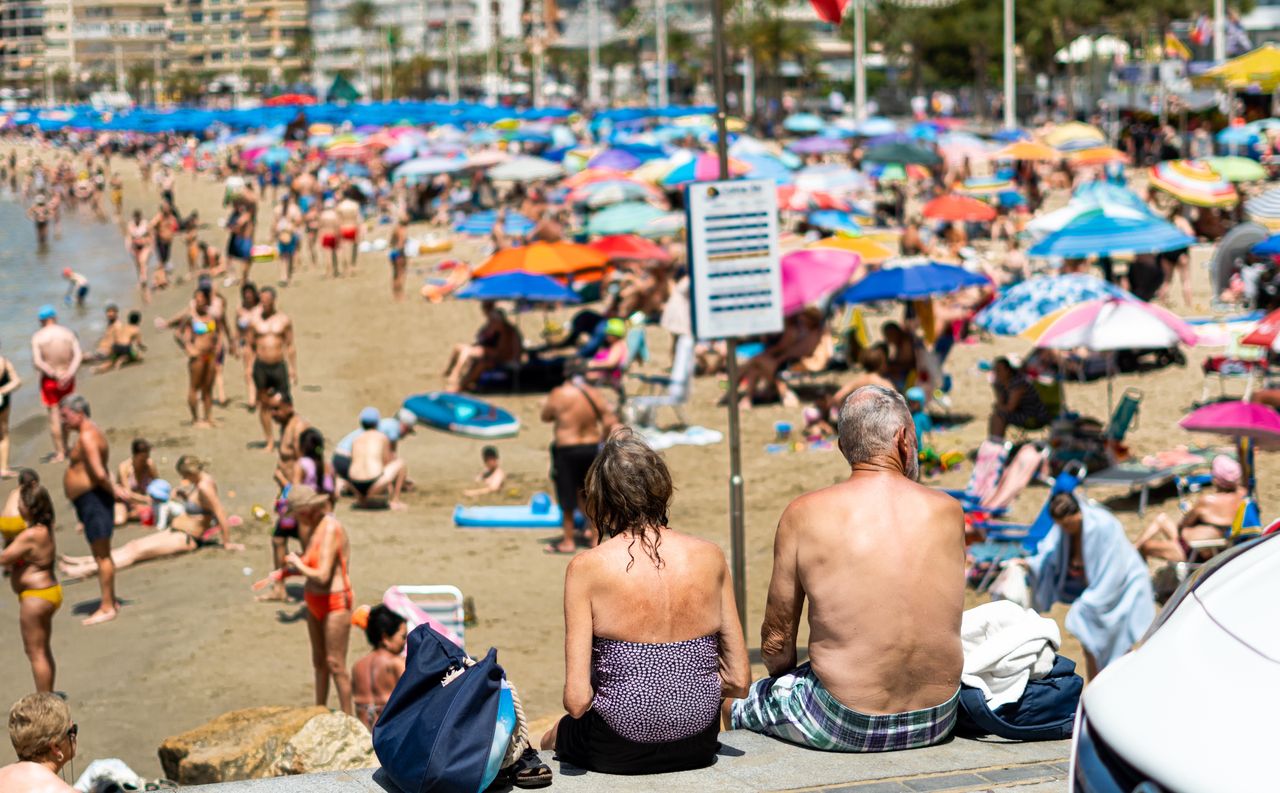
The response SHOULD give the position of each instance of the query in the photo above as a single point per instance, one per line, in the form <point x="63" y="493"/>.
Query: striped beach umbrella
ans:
<point x="1265" y="209"/>
<point x="1074" y="135"/>
<point x="1237" y="169"/>
<point x="1027" y="150"/>
<point x="1031" y="301"/>
<point x="1193" y="182"/>
<point x="1097" y="155"/>
<point x="1110" y="324"/>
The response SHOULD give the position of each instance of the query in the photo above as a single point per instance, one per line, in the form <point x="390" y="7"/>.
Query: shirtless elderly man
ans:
<point x="56" y="354"/>
<point x="881" y="559"/>
<point x="275" y="359"/>
<point x="581" y="420"/>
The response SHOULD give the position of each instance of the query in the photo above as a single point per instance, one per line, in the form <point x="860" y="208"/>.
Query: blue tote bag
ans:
<point x="448" y="722"/>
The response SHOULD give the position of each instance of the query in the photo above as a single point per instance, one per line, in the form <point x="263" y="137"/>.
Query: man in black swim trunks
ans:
<point x="582" y="420"/>
<point x="275" y="363"/>
<point x="92" y="492"/>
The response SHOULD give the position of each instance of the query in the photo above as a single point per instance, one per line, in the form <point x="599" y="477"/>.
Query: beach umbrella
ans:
<point x="1097" y="233"/>
<point x="486" y="158"/>
<point x="831" y="178"/>
<point x="1268" y="247"/>
<point x="1237" y="169"/>
<point x="702" y="168"/>
<point x="1236" y="419"/>
<point x="959" y="146"/>
<point x="543" y="258"/>
<point x="1030" y="301"/>
<point x="958" y="208"/>
<point x="402" y="151"/>
<point x="624" y="218"/>
<point x="612" y="191"/>
<point x="1257" y="69"/>
<point x="428" y="166"/>
<point x="987" y="186"/>
<point x="630" y="247"/>
<point x="876" y="125"/>
<point x="1096" y="155"/>
<point x="813" y="275"/>
<point x="796" y="200"/>
<point x="868" y="250"/>
<point x="1267" y="332"/>
<point x="1193" y="182"/>
<point x="1027" y="150"/>
<point x="1239" y="136"/>
<point x="525" y="169"/>
<point x="1074" y="135"/>
<point x="803" y="122"/>
<point x="902" y="153"/>
<point x="765" y="166"/>
<point x="519" y="285"/>
<point x="615" y="159"/>
<point x="480" y="223"/>
<point x="276" y="155"/>
<point x="1265" y="209"/>
<point x="911" y="283"/>
<point x="592" y="175"/>
<point x="818" y="144"/>
<point x="835" y="220"/>
<point x="668" y="224"/>
<point x="1110" y="324"/>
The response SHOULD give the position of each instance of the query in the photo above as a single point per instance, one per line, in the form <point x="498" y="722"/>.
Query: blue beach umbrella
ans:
<point x="764" y="166"/>
<point x="625" y="218"/>
<point x="1030" y="301"/>
<point x="519" y="285"/>
<point x="803" y="122"/>
<point x="911" y="283"/>
<point x="428" y="166"/>
<point x="835" y="220"/>
<point x="876" y="125"/>
<point x="1096" y="233"/>
<point x="1268" y="247"/>
<point x="481" y="223"/>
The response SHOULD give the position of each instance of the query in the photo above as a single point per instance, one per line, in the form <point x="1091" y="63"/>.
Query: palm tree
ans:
<point x="363" y="16"/>
<point x="773" y="39"/>
<point x="393" y="35"/>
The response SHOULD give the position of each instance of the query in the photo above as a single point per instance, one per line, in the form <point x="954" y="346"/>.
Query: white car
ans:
<point x="1193" y="708"/>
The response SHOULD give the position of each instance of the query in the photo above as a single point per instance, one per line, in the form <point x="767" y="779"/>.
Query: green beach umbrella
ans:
<point x="904" y="153"/>
<point x="893" y="172"/>
<point x="1237" y="169"/>
<point x="623" y="218"/>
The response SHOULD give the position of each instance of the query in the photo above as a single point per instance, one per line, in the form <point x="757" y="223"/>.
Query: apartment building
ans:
<point x="251" y="39"/>
<point x="22" y="43"/>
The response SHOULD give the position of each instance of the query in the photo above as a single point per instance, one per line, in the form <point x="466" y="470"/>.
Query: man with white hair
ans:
<point x="881" y="560"/>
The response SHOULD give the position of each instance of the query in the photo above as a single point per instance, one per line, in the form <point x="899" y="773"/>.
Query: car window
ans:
<point x="1198" y="577"/>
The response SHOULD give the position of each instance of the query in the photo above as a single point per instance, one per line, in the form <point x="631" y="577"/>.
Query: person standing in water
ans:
<point x="56" y="355"/>
<point x="91" y="491"/>
<point x="40" y="215"/>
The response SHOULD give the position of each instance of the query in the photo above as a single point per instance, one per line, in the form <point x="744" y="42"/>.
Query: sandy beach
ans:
<point x="191" y="642"/>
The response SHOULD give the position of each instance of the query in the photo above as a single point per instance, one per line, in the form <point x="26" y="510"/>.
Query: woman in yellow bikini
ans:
<point x="27" y="528"/>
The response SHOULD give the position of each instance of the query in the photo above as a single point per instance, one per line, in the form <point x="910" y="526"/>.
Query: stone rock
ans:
<point x="250" y="744"/>
<point x="331" y="742"/>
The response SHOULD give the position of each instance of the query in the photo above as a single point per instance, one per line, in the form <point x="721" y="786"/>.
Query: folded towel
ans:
<point x="1006" y="645"/>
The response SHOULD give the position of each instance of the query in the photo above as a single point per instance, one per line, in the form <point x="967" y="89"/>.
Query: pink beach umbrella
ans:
<point x="1112" y="324"/>
<point x="1238" y="420"/>
<point x="813" y="275"/>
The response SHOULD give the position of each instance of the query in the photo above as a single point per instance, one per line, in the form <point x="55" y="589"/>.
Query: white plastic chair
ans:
<point x="440" y="607"/>
<point x="643" y="408"/>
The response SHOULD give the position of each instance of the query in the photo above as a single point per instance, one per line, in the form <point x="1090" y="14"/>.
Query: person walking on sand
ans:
<point x="288" y="228"/>
<point x="200" y="338"/>
<point x="275" y="360"/>
<point x="56" y="355"/>
<point x="44" y="739"/>
<point x="29" y="552"/>
<point x="91" y="491"/>
<point x="884" y="651"/>
<point x="349" y="226"/>
<point x="327" y="591"/>
<point x="9" y="382"/>
<point x="396" y="253"/>
<point x="580" y="421"/>
<point x="328" y="227"/>
<point x="141" y="240"/>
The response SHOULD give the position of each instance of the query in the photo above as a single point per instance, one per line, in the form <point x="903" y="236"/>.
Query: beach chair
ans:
<point x="1241" y="361"/>
<point x="1005" y="541"/>
<point x="642" y="409"/>
<point x="1025" y="466"/>
<point x="988" y="465"/>
<point x="1124" y="417"/>
<point x="440" y="606"/>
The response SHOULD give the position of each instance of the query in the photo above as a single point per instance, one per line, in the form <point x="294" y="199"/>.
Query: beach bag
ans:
<point x="1046" y="711"/>
<point x="451" y="722"/>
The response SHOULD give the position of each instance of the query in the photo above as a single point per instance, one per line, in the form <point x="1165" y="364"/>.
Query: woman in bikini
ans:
<point x="9" y="382"/>
<point x="327" y="591"/>
<point x="140" y="245"/>
<point x="374" y="677"/>
<point x="202" y="513"/>
<point x="200" y="338"/>
<point x="244" y="319"/>
<point x="289" y="223"/>
<point x="1209" y="521"/>
<point x="27" y="528"/>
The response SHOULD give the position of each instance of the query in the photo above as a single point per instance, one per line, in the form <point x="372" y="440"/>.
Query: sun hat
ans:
<point x="304" y="497"/>
<point x="615" y="327"/>
<point x="1226" y="472"/>
<point x="915" y="394"/>
<point x="66" y="271"/>
<point x="47" y="311"/>
<point x="369" y="417"/>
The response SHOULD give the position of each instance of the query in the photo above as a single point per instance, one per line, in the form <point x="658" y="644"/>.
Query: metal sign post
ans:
<point x="735" y="290"/>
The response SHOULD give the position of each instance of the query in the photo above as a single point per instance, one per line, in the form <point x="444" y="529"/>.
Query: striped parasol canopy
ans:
<point x="1097" y="155"/>
<point x="1193" y="182"/>
<point x="1073" y="136"/>
<point x="1027" y="150"/>
<point x="1265" y="209"/>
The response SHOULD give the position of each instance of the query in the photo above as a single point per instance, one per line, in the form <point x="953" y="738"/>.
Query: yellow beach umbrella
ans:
<point x="1260" y="68"/>
<point x="1027" y="150"/>
<point x="870" y="251"/>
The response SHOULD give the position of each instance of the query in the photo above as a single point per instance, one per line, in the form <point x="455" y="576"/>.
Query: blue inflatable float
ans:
<point x="462" y="415"/>
<point x="539" y="513"/>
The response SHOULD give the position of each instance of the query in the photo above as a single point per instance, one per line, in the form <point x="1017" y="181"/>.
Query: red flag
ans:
<point x="830" y="10"/>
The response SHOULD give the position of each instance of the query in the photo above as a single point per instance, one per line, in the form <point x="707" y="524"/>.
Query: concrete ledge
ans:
<point x="754" y="762"/>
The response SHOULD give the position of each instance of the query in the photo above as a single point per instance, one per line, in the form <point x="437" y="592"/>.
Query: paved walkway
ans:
<point x="751" y="762"/>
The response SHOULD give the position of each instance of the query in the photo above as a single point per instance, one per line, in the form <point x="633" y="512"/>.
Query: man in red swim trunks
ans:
<point x="56" y="354"/>
<point x="327" y="227"/>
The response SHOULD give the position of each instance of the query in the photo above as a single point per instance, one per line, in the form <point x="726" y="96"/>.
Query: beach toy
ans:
<point x="260" y="513"/>
<point x="782" y="431"/>
<point x="262" y="253"/>
<point x="462" y="415"/>
<point x="539" y="513"/>
<point x="360" y="617"/>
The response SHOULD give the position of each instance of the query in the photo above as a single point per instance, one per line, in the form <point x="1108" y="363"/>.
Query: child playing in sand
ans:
<point x="819" y="416"/>
<point x="77" y="287"/>
<point x="124" y="343"/>
<point x="492" y="477"/>
<point x="922" y="420"/>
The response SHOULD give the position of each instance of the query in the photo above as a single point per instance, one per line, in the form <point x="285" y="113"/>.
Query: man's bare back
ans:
<point x="370" y="452"/>
<point x="881" y="560"/>
<point x="57" y="347"/>
<point x="576" y="421"/>
<point x="31" y="778"/>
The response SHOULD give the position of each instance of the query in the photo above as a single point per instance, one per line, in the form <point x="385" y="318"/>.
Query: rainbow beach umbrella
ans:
<point x="703" y="168"/>
<point x="1193" y="182"/>
<point x="1111" y="324"/>
<point x="1265" y="209"/>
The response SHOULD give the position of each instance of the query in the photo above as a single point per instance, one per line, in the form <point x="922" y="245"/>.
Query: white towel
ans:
<point x="1005" y="646"/>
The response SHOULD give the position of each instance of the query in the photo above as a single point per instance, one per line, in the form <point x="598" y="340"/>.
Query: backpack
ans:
<point x="1046" y="711"/>
<point x="449" y="723"/>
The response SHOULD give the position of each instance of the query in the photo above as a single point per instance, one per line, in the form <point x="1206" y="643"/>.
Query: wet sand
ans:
<point x="191" y="643"/>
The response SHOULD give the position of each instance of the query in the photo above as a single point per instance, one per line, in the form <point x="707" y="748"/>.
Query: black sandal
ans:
<point x="527" y="773"/>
